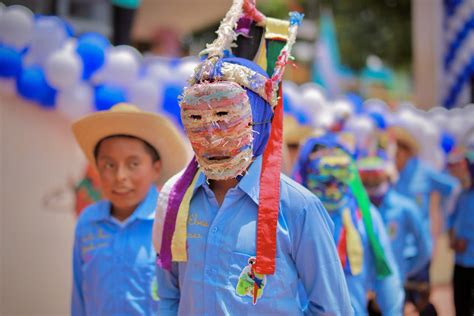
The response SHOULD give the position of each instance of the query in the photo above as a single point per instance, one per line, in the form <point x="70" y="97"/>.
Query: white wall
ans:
<point x="38" y="156"/>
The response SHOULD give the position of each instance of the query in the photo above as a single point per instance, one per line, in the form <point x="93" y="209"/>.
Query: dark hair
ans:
<point x="149" y="148"/>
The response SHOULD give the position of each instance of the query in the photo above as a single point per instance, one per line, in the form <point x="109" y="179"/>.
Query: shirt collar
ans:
<point x="249" y="183"/>
<point x="145" y="210"/>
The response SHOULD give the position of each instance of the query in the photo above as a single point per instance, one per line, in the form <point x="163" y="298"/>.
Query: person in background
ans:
<point x="123" y="13"/>
<point x="400" y="215"/>
<point x="326" y="167"/>
<point x="461" y="232"/>
<point x="419" y="182"/>
<point x="113" y="257"/>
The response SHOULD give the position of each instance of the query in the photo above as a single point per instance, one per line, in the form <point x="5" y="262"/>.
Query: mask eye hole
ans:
<point x="195" y="117"/>
<point x="222" y="113"/>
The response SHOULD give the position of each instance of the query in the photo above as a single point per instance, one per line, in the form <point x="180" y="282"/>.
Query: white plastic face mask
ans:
<point x="218" y="121"/>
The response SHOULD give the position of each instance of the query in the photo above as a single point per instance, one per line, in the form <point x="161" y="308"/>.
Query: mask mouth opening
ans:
<point x="218" y="158"/>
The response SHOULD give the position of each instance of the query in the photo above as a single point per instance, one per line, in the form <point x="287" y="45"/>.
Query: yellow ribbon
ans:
<point x="261" y="58"/>
<point x="355" y="252"/>
<point x="178" y="243"/>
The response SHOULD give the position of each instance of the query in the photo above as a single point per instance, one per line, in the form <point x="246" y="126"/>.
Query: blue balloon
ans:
<point x="447" y="142"/>
<point x="379" y="120"/>
<point x="287" y="105"/>
<point x="356" y="101"/>
<point x="68" y="27"/>
<point x="107" y="96"/>
<point x="170" y="102"/>
<point x="32" y="85"/>
<point x="91" y="48"/>
<point x="10" y="62"/>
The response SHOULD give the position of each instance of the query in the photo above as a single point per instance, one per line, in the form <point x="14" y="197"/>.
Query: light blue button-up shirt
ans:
<point x="114" y="266"/>
<point x="222" y="239"/>
<point x="389" y="291"/>
<point x="463" y="226"/>
<point x="402" y="217"/>
<point x="417" y="181"/>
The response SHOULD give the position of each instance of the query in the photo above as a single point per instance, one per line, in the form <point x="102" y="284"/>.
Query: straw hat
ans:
<point x="406" y="137"/>
<point x="127" y="119"/>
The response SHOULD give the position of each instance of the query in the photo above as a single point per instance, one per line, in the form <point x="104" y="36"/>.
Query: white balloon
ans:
<point x="63" y="69"/>
<point x="437" y="109"/>
<point x="145" y="93"/>
<point x="16" y="26"/>
<point x="292" y="91"/>
<point x="363" y="129"/>
<point x="376" y="105"/>
<point x="71" y="44"/>
<point x="312" y="96"/>
<point x="121" y="68"/>
<point x="186" y="69"/>
<point x="342" y="108"/>
<point x="361" y="125"/>
<point x="439" y="119"/>
<point x="324" y="119"/>
<point x="160" y="72"/>
<point x="75" y="102"/>
<point x="49" y="36"/>
<point x="129" y="50"/>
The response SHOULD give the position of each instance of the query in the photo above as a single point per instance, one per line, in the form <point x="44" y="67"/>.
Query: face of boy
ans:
<point x="126" y="172"/>
<point x="217" y="119"/>
<point x="402" y="155"/>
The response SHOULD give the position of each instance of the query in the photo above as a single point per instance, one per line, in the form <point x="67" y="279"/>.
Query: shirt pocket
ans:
<point x="272" y="289"/>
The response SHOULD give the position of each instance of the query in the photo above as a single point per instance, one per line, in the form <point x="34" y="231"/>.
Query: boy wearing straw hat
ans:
<point x="113" y="258"/>
<point x="233" y="235"/>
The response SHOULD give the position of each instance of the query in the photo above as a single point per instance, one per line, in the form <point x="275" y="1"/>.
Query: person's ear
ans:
<point x="156" y="170"/>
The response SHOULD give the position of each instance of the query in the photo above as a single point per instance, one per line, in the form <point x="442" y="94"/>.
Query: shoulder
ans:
<point x="298" y="202"/>
<point x="92" y="213"/>
<point x="164" y="193"/>
<point x="296" y="196"/>
<point x="401" y="201"/>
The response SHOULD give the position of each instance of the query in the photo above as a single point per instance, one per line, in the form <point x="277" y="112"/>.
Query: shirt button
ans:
<point x="215" y="229"/>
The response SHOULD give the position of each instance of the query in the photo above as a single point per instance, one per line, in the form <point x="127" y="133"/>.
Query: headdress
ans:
<point x="222" y="79"/>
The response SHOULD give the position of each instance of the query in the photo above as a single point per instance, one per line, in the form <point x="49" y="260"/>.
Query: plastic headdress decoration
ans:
<point x="216" y="80"/>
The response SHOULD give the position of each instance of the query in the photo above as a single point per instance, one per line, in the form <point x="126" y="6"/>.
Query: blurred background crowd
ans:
<point x="363" y="66"/>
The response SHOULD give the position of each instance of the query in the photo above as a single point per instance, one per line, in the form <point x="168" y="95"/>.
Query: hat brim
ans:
<point x="153" y="128"/>
<point x="405" y="137"/>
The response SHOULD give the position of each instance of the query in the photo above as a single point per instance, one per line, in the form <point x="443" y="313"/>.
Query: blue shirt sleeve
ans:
<point x="389" y="291"/>
<point x="77" y="300"/>
<point x="168" y="290"/>
<point x="449" y="188"/>
<point x="318" y="264"/>
<point x="415" y="226"/>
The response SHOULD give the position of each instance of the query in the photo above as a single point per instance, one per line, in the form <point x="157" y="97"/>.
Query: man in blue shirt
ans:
<point x="222" y="249"/>
<point x="325" y="166"/>
<point x="113" y="258"/>
<point x="461" y="225"/>
<point x="400" y="215"/>
<point x="417" y="181"/>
